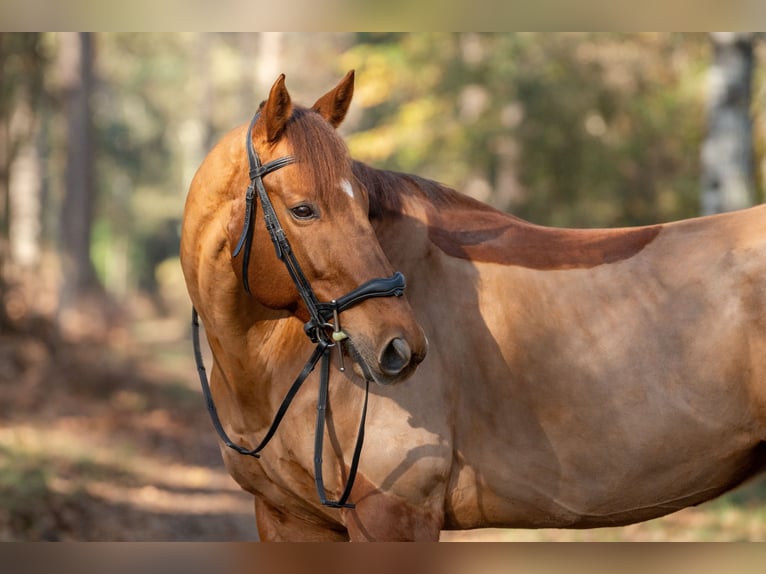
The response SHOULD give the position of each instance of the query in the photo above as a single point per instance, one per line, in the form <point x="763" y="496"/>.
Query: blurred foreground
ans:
<point x="104" y="436"/>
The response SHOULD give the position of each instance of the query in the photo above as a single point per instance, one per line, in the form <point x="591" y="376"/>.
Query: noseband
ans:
<point x="323" y="327"/>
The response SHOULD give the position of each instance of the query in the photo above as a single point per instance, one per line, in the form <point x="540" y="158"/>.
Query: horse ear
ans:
<point x="334" y="104"/>
<point x="277" y="110"/>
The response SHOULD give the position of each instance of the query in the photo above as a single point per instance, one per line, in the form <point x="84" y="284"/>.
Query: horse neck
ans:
<point x="243" y="327"/>
<point x="260" y="340"/>
<point x="268" y="328"/>
<point x="400" y="207"/>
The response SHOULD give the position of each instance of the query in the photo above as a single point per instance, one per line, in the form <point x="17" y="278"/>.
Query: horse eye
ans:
<point x="303" y="212"/>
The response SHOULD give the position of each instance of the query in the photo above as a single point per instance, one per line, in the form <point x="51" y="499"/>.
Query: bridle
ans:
<point x="323" y="327"/>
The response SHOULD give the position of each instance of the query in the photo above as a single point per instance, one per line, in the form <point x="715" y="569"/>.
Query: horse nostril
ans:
<point x="395" y="357"/>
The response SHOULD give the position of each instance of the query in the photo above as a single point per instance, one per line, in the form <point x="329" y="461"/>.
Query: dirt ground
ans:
<point x="106" y="438"/>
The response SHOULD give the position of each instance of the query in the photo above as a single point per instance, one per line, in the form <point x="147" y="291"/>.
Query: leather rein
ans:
<point x="323" y="327"/>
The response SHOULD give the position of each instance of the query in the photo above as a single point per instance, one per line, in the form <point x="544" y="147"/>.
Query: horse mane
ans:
<point x="386" y="190"/>
<point x="465" y="228"/>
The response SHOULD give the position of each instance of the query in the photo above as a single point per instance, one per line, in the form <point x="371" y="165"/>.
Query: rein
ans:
<point x="323" y="327"/>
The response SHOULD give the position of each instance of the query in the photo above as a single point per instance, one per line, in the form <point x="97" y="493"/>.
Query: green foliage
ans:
<point x="24" y="489"/>
<point x="595" y="129"/>
<point x="142" y="102"/>
<point x="561" y="129"/>
<point x="22" y="478"/>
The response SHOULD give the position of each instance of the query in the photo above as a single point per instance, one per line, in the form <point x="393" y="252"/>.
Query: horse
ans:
<point x="529" y="376"/>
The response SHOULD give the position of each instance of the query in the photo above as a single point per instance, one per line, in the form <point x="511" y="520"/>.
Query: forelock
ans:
<point x="321" y="153"/>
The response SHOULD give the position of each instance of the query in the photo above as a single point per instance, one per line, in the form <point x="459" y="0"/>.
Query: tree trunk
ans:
<point x="22" y="68"/>
<point x="5" y="321"/>
<point x="269" y="60"/>
<point x="727" y="153"/>
<point x="25" y="190"/>
<point x="248" y="53"/>
<point x="76" y="69"/>
<point x="206" y="94"/>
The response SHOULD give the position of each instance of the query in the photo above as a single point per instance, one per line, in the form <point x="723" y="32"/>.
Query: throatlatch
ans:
<point x="323" y="327"/>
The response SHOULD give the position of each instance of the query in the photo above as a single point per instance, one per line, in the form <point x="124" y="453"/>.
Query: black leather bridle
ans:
<point x="323" y="327"/>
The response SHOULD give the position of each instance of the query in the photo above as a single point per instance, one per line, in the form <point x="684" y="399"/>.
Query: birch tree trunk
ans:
<point x="727" y="153"/>
<point x="21" y="75"/>
<point x="248" y="54"/>
<point x="25" y="189"/>
<point x="269" y="60"/>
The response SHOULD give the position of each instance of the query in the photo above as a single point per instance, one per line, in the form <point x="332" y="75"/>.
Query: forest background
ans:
<point x="102" y="429"/>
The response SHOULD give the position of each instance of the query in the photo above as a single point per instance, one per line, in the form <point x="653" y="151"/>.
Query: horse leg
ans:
<point x="274" y="525"/>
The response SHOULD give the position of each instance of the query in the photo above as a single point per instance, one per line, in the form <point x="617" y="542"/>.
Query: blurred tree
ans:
<point x="152" y="115"/>
<point x="270" y="60"/>
<point x="248" y="53"/>
<point x="76" y="53"/>
<point x="22" y="66"/>
<point x="562" y="129"/>
<point x="727" y="154"/>
<point x="205" y="87"/>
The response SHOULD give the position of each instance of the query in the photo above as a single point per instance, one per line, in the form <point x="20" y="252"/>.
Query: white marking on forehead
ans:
<point x="345" y="185"/>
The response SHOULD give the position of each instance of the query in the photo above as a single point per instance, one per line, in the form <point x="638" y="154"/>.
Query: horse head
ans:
<point x="322" y="211"/>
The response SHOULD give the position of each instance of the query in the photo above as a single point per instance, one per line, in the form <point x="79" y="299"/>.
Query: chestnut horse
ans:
<point x="575" y="378"/>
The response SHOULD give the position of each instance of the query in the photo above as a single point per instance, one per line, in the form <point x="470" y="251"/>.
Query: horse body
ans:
<point x="593" y="394"/>
<point x="575" y="378"/>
